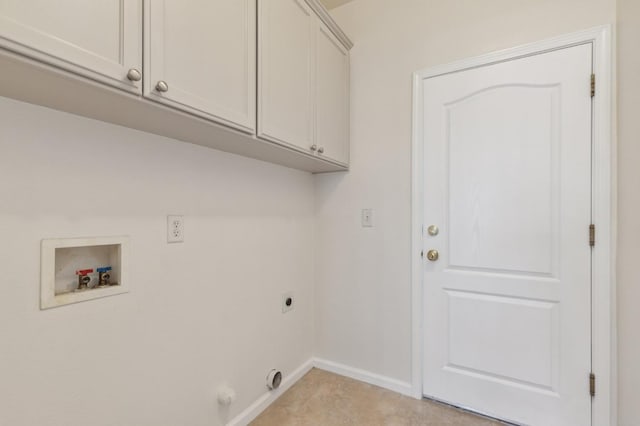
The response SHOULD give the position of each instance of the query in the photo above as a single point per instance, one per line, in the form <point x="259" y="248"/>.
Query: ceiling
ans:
<point x="330" y="4"/>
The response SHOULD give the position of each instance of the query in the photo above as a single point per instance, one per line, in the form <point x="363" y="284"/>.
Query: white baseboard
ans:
<point x="394" y="385"/>
<point x="267" y="398"/>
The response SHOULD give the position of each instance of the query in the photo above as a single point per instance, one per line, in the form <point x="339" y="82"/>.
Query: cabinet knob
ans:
<point x="313" y="148"/>
<point x="134" y="75"/>
<point x="321" y="150"/>
<point x="162" y="86"/>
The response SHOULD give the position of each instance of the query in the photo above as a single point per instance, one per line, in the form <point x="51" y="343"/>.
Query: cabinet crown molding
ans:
<point x="325" y="17"/>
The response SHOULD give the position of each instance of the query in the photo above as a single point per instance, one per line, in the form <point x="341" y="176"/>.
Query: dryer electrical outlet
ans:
<point x="287" y="302"/>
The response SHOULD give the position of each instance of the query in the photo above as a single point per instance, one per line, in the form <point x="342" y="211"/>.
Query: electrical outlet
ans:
<point x="287" y="302"/>
<point x="175" y="229"/>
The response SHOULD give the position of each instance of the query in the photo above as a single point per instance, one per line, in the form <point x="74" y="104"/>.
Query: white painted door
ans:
<point x="286" y="72"/>
<point x="507" y="160"/>
<point x="332" y="96"/>
<point x="205" y="54"/>
<point x="101" y="40"/>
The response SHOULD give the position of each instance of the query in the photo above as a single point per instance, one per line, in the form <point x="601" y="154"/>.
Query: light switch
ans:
<point x="367" y="218"/>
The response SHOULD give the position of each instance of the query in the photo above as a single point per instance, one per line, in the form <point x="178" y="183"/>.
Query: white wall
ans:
<point x="628" y="211"/>
<point x="363" y="289"/>
<point x="199" y="314"/>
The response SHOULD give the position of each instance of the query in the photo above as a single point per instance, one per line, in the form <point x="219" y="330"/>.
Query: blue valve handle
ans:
<point x="103" y="269"/>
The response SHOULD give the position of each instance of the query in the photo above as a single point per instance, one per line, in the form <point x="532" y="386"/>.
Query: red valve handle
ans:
<point x="83" y="272"/>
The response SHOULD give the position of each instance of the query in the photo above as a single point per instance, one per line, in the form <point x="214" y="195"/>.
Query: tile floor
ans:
<point x="325" y="399"/>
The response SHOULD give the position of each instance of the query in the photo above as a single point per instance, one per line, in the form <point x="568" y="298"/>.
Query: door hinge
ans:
<point x="592" y="384"/>
<point x="592" y="235"/>
<point x="593" y="85"/>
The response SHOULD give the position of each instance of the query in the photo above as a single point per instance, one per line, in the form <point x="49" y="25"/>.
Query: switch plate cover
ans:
<point x="367" y="218"/>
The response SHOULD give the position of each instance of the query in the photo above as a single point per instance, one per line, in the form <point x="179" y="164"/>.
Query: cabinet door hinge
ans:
<point x="592" y="384"/>
<point x="593" y="85"/>
<point x="592" y="235"/>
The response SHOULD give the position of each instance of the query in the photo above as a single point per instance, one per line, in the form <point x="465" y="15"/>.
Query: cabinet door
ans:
<point x="99" y="39"/>
<point x="286" y="66"/>
<point x="332" y="97"/>
<point x="204" y="52"/>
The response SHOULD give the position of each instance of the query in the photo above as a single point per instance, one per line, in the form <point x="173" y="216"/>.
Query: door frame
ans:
<point x="603" y="300"/>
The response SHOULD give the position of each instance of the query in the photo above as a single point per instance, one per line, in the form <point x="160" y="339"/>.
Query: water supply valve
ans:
<point x="104" y="276"/>
<point x="83" y="279"/>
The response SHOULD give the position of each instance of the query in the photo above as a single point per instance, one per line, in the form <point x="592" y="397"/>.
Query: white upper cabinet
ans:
<point x="303" y="79"/>
<point x="332" y="97"/>
<point x="101" y="39"/>
<point x="200" y="57"/>
<point x="267" y="79"/>
<point x="285" y="70"/>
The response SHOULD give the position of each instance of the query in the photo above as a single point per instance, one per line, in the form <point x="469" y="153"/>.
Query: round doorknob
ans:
<point x="433" y="230"/>
<point x="134" y="75"/>
<point x="314" y="148"/>
<point x="321" y="150"/>
<point x="162" y="86"/>
<point x="433" y="255"/>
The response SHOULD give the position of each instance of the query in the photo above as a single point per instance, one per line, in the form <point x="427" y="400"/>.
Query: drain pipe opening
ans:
<point x="274" y="379"/>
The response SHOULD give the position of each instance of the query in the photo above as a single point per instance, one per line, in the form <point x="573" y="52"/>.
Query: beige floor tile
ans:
<point x="321" y="398"/>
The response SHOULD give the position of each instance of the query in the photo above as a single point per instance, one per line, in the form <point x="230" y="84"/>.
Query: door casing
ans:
<point x="603" y="316"/>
